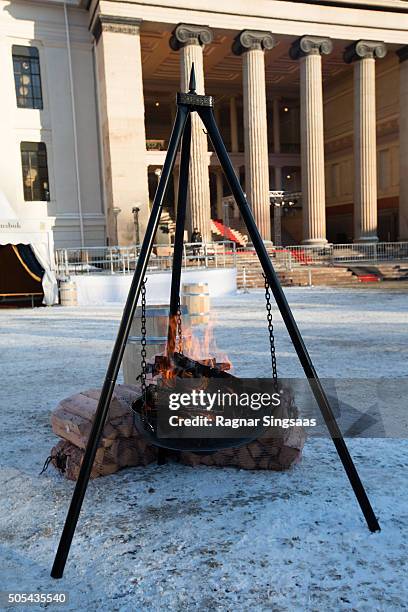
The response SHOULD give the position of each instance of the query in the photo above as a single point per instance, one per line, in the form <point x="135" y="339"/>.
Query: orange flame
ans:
<point x="201" y="348"/>
<point x="198" y="345"/>
<point x="204" y="348"/>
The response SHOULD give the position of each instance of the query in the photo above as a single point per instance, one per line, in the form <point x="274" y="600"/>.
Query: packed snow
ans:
<point x="180" y="538"/>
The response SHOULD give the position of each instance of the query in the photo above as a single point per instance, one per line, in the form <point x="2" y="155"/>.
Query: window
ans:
<point x="27" y="78"/>
<point x="35" y="171"/>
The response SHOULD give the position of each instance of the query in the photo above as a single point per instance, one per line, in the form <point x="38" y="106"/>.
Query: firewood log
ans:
<point x="73" y="417"/>
<point x="71" y="427"/>
<point x="67" y="458"/>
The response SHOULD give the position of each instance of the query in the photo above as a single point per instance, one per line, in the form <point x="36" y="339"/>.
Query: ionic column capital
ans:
<point x="113" y="23"/>
<point x="188" y="34"/>
<point x="403" y="53"/>
<point x="365" y="49"/>
<point x="311" y="45"/>
<point x="248" y="40"/>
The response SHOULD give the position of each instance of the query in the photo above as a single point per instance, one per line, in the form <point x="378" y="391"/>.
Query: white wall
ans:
<point x="43" y="26"/>
<point x="96" y="289"/>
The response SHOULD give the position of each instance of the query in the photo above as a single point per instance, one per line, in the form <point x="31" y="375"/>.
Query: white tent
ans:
<point x="6" y="210"/>
<point x="38" y="235"/>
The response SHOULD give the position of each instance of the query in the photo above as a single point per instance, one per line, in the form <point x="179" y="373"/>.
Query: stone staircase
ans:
<point x="167" y="220"/>
<point x="380" y="271"/>
<point x="392" y="271"/>
<point x="249" y="275"/>
<point x="237" y="223"/>
<point x="318" y="275"/>
<point x="227" y="233"/>
<point x="218" y="230"/>
<point x="306" y="275"/>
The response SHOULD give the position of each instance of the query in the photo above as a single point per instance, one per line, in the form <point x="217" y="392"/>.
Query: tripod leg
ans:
<point x="118" y="350"/>
<point x="207" y="117"/>
<point x="179" y="238"/>
<point x="178" y="253"/>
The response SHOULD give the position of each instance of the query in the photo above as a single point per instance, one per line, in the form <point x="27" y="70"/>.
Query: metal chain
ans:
<point x="143" y="340"/>
<point x="179" y="329"/>
<point x="270" y="329"/>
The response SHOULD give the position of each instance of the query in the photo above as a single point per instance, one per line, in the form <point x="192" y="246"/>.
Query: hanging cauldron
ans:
<point x="182" y="368"/>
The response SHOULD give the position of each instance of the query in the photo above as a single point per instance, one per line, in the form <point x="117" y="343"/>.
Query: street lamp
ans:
<point x="158" y="173"/>
<point x="116" y="211"/>
<point x="135" y="211"/>
<point x="281" y="200"/>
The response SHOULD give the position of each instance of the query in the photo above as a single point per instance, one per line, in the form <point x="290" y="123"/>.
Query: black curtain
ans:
<point x="30" y="260"/>
<point x="20" y="275"/>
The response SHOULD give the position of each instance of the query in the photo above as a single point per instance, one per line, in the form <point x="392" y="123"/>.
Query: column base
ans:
<point x="366" y="240"/>
<point x="315" y="242"/>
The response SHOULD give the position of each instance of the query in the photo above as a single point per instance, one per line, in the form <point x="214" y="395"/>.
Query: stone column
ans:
<point x="220" y="192"/>
<point x="234" y="125"/>
<point x="403" y="145"/>
<point x="252" y="44"/>
<point x="309" y="49"/>
<point x="276" y="142"/>
<point x="234" y="144"/>
<point x="278" y="178"/>
<point x="276" y="125"/>
<point x="122" y="124"/>
<point x="363" y="54"/>
<point x="190" y="39"/>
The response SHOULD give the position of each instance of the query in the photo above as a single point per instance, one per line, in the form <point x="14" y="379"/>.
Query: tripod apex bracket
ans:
<point x="192" y="99"/>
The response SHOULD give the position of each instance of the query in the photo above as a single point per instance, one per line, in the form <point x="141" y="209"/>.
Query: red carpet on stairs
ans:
<point x="368" y="278"/>
<point x="301" y="256"/>
<point x="226" y="232"/>
<point x="366" y="274"/>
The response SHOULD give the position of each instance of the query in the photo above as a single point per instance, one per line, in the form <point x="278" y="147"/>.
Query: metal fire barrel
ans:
<point x="157" y="319"/>
<point x="196" y="297"/>
<point x="68" y="293"/>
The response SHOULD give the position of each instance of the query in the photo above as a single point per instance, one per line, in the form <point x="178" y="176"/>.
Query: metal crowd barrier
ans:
<point x="122" y="260"/>
<point x="332" y="254"/>
<point x="223" y="254"/>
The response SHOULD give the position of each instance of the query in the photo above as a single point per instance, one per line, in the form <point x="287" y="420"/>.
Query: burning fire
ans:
<point x="204" y="349"/>
<point x="197" y="347"/>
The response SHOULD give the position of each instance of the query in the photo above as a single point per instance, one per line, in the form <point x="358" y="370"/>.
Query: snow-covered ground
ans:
<point x="178" y="538"/>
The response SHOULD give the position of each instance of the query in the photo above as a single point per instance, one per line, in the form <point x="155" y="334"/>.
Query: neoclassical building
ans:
<point x="311" y="97"/>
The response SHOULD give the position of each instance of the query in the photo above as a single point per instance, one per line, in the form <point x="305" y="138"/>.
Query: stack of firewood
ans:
<point x="122" y="446"/>
<point x="268" y="452"/>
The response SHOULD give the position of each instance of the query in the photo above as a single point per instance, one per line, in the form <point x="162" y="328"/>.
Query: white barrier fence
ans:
<point x="122" y="260"/>
<point x="225" y="254"/>
<point x="332" y="254"/>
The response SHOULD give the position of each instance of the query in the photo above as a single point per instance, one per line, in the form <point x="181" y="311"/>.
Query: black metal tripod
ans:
<point x="203" y="105"/>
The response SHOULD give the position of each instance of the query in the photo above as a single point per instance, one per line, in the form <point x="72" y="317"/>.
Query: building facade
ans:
<point x="311" y="97"/>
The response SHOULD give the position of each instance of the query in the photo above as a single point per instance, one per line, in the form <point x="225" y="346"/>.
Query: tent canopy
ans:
<point x="25" y="256"/>
<point x="20" y="275"/>
<point x="6" y="210"/>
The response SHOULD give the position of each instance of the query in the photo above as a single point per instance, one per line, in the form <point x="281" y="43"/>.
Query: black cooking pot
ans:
<point x="146" y="416"/>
